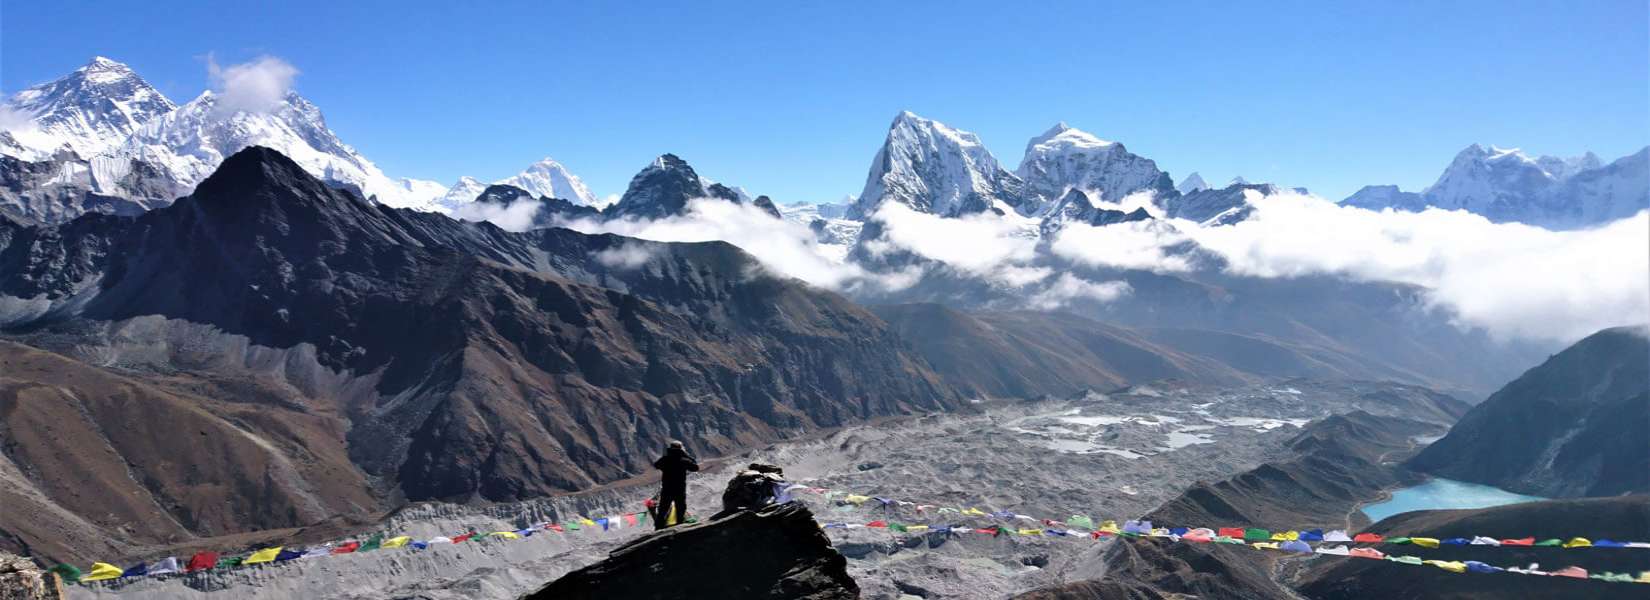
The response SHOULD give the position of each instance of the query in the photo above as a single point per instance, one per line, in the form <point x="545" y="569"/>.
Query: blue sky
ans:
<point x="793" y="101"/>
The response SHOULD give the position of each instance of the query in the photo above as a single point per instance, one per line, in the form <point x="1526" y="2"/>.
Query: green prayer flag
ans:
<point x="896" y="527"/>
<point x="373" y="543"/>
<point x="230" y="561"/>
<point x="1080" y="521"/>
<point x="1398" y="540"/>
<point x="1256" y="534"/>
<point x="68" y="572"/>
<point x="641" y="517"/>
<point x="573" y="525"/>
<point x="1550" y="543"/>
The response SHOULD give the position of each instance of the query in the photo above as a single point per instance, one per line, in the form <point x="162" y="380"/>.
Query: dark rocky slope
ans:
<point x="777" y="553"/>
<point x="1573" y="426"/>
<point x="448" y="360"/>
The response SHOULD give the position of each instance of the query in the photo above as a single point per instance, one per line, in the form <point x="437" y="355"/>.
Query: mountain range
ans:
<point x="1507" y="185"/>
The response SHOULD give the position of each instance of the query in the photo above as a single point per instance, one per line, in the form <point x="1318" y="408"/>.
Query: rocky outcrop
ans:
<point x="21" y="579"/>
<point x="772" y="554"/>
<point x="1573" y="426"/>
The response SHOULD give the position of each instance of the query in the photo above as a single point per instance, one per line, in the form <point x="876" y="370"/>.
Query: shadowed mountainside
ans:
<point x="1573" y="426"/>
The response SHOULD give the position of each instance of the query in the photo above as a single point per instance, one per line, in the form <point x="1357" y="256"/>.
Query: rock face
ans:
<point x="21" y="579"/>
<point x="1572" y="426"/>
<point x="777" y="553"/>
<point x="437" y="359"/>
<point x="664" y="188"/>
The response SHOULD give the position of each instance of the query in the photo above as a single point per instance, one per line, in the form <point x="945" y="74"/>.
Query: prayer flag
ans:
<point x="1336" y="535"/>
<point x="630" y="520"/>
<point x="137" y="570"/>
<point x="102" y="571"/>
<point x="286" y="555"/>
<point x="166" y="565"/>
<point x="1296" y="546"/>
<point x="1449" y="565"/>
<point x="1366" y="553"/>
<point x="373" y="543"/>
<point x="347" y="547"/>
<point x="1424" y="542"/>
<point x="1253" y="534"/>
<point x="509" y="535"/>
<point x="1367" y="538"/>
<point x="1577" y="543"/>
<point x="1576" y="572"/>
<point x="1529" y="541"/>
<point x="67" y="572"/>
<point x="262" y="556"/>
<point x="396" y="542"/>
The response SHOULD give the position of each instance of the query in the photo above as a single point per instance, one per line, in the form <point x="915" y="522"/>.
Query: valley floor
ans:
<point x="1107" y="456"/>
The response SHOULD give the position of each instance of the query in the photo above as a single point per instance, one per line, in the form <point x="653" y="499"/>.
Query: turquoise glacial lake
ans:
<point x="1441" y="494"/>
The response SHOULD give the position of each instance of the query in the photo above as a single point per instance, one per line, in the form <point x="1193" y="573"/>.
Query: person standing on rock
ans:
<point x="675" y="465"/>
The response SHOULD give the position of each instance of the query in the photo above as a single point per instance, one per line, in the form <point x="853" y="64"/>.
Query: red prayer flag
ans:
<point x="1234" y="532"/>
<point x="877" y="524"/>
<point x="463" y="538"/>
<point x="1366" y="553"/>
<point x="346" y="548"/>
<point x="201" y="562"/>
<point x="630" y="520"/>
<point x="554" y="527"/>
<point x="1373" y="538"/>
<point x="1529" y="541"/>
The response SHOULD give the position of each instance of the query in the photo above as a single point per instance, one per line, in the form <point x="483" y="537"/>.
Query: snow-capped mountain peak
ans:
<point x="549" y="178"/>
<point x="1506" y="184"/>
<point x="1063" y="137"/>
<point x="1192" y="183"/>
<point x="1066" y="158"/>
<point x="90" y="110"/>
<point x="190" y="142"/>
<point x="934" y="168"/>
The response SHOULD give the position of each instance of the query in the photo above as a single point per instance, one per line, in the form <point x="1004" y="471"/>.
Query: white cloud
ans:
<point x="256" y="86"/>
<point x="1068" y="287"/>
<point x="1140" y="245"/>
<point x="1512" y="280"/>
<point x="516" y="216"/>
<point x="786" y="248"/>
<point x="625" y="256"/>
<point x="986" y="245"/>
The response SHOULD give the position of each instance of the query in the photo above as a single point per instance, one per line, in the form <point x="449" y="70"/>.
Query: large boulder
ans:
<point x="774" y="553"/>
<point x="21" y="579"/>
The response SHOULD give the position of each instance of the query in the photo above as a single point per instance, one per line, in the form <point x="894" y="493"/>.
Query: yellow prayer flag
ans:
<point x="1578" y="543"/>
<point x="396" y="542"/>
<point x="1266" y="545"/>
<point x="1109" y="526"/>
<point x="102" y="571"/>
<point x="1424" y="542"/>
<point x="589" y="523"/>
<point x="917" y="528"/>
<point x="509" y="535"/>
<point x="1644" y="577"/>
<point x="856" y="499"/>
<point x="672" y="519"/>
<point x="1286" y="536"/>
<point x="262" y="556"/>
<point x="1031" y="532"/>
<point x="1448" y="565"/>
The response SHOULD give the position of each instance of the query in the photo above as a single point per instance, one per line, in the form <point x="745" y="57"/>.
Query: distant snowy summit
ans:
<point x="110" y="136"/>
<point x="1507" y="185"/>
